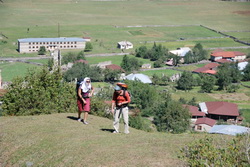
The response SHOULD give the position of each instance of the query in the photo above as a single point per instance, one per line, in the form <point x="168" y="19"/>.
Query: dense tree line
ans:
<point x="159" y="54"/>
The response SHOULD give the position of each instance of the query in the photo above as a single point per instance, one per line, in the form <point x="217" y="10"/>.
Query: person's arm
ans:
<point x="80" y="95"/>
<point x="113" y="103"/>
<point x="92" y="91"/>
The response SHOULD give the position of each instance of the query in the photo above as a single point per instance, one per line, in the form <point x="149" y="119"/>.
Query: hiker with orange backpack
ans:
<point x="120" y="101"/>
<point x="84" y="92"/>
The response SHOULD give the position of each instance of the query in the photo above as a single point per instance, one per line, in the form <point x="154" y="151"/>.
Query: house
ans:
<point x="228" y="55"/>
<point x="180" y="51"/>
<point x="146" y="66"/>
<point x="138" y="77"/>
<point x="208" y="68"/>
<point x="104" y="64"/>
<point x="195" y="113"/>
<point x="242" y="65"/>
<point x="125" y="45"/>
<point x="220" y="110"/>
<point x="115" y="67"/>
<point x="229" y="129"/>
<point x="204" y="124"/>
<point x="29" y="45"/>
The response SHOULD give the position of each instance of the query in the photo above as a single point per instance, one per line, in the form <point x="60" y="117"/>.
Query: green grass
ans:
<point x="114" y="59"/>
<point x="14" y="69"/>
<point x="42" y="61"/>
<point x="166" y="72"/>
<point x="59" y="140"/>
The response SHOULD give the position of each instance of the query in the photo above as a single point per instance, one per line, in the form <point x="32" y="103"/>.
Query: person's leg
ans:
<point x="80" y="109"/>
<point x="125" y="118"/>
<point x="86" y="109"/>
<point x="85" y="116"/>
<point x="116" y="120"/>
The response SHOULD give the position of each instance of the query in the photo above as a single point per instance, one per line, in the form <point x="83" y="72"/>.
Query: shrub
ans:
<point x="208" y="152"/>
<point x="37" y="93"/>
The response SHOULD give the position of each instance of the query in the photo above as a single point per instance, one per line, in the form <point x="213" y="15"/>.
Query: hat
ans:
<point x="117" y="87"/>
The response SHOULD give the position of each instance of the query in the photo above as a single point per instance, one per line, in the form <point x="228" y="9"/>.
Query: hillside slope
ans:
<point x="59" y="140"/>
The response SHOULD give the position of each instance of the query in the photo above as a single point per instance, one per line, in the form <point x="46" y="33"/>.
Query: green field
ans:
<point x="60" y="140"/>
<point x="105" y="22"/>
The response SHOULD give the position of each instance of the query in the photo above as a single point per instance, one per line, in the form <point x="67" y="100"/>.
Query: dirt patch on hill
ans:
<point x="246" y="13"/>
<point x="231" y="96"/>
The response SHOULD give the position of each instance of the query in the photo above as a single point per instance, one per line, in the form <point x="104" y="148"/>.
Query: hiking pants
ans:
<point x="117" y="116"/>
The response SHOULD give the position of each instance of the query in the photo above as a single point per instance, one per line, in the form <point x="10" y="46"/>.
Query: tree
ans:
<point x="246" y="75"/>
<point x="39" y="92"/>
<point x="186" y="81"/>
<point x="223" y="75"/>
<point x="42" y="50"/>
<point x="88" y="47"/>
<point x="111" y="75"/>
<point x="170" y="116"/>
<point x="141" y="51"/>
<point x="208" y="83"/>
<point x="81" y="70"/>
<point x="72" y="57"/>
<point x="130" y="64"/>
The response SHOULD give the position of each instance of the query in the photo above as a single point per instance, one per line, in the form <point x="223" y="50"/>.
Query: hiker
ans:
<point x="120" y="101"/>
<point x="85" y="91"/>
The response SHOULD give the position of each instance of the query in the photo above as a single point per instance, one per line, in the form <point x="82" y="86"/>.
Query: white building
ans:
<point x="28" y="45"/>
<point x="125" y="45"/>
<point x="180" y="51"/>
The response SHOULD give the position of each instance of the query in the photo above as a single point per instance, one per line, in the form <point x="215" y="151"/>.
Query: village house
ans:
<point x="204" y="124"/>
<point x="220" y="110"/>
<point x="232" y="56"/>
<point x="208" y="69"/>
<point x="124" y="45"/>
<point x="115" y="67"/>
<point x="29" y="45"/>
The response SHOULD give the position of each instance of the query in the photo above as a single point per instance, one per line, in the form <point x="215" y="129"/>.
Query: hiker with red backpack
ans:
<point x="120" y="101"/>
<point x="84" y="92"/>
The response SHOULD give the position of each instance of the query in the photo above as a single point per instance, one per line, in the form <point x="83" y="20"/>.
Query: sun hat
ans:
<point x="117" y="87"/>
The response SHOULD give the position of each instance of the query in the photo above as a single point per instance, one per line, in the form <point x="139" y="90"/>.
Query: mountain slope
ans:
<point x="59" y="140"/>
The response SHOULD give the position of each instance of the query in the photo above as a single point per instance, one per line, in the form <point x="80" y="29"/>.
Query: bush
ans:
<point x="138" y="122"/>
<point x="208" y="152"/>
<point x="37" y="93"/>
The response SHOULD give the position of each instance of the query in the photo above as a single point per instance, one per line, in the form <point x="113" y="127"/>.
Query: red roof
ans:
<point x="194" y="110"/>
<point x="212" y="65"/>
<point x="227" y="54"/>
<point x="209" y="72"/>
<point x="114" y="67"/>
<point x="222" y="108"/>
<point x="205" y="120"/>
<point x="201" y="69"/>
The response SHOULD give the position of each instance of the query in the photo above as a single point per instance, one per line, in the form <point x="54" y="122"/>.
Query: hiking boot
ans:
<point x="79" y="120"/>
<point x="115" y="131"/>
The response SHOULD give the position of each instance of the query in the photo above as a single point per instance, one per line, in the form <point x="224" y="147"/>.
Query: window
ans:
<point x="199" y="127"/>
<point x="29" y="43"/>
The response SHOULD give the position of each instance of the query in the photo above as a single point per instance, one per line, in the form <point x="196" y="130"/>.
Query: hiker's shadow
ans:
<point x="73" y="118"/>
<point x="107" y="130"/>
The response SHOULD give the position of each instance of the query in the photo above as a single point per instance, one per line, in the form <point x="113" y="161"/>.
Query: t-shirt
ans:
<point x="120" y="98"/>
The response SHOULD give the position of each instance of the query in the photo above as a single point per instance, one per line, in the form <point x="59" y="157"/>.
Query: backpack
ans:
<point x="125" y="89"/>
<point x="78" y="84"/>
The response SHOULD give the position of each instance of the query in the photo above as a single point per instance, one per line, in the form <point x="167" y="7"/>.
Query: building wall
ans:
<point x="202" y="128"/>
<point x="29" y="47"/>
<point x="237" y="58"/>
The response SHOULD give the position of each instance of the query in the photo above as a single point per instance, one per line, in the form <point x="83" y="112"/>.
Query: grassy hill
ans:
<point x="59" y="140"/>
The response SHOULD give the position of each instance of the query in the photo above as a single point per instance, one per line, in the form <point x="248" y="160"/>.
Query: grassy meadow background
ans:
<point x="59" y="140"/>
